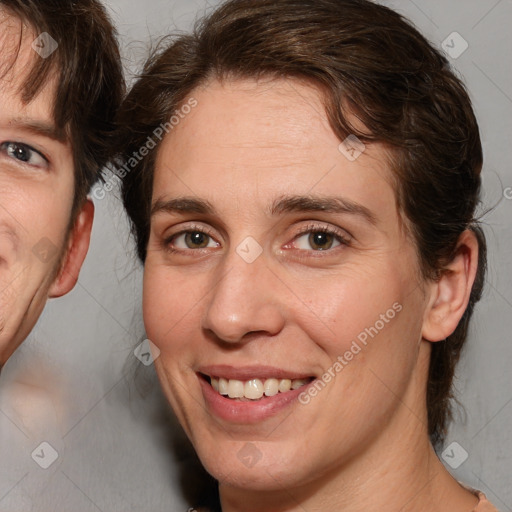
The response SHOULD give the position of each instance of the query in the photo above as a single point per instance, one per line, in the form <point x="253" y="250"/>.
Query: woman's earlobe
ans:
<point x="76" y="252"/>
<point x="451" y="293"/>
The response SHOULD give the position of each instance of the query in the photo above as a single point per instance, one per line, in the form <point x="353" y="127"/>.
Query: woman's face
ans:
<point x="277" y="259"/>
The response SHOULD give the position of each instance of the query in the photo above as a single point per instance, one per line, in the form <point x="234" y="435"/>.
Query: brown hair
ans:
<point x="90" y="84"/>
<point x="369" y="61"/>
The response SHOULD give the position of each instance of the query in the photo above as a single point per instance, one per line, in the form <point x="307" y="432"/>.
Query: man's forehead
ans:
<point x="16" y="54"/>
<point x="17" y="61"/>
<point x="12" y="28"/>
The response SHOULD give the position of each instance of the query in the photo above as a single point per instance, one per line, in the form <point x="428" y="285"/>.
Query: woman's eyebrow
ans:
<point x="330" y="204"/>
<point x="182" y="205"/>
<point x="287" y="204"/>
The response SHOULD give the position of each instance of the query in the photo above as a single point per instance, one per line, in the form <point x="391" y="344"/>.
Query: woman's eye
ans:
<point x="23" y="153"/>
<point x="193" y="240"/>
<point x="317" y="240"/>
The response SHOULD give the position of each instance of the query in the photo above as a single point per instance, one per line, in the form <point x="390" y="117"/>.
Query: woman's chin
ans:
<point x="253" y="468"/>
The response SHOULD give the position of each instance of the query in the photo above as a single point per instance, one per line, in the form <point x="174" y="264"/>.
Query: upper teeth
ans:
<point x="255" y="388"/>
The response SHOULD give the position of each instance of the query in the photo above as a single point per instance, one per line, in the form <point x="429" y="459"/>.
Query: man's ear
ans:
<point x="78" y="246"/>
<point x="450" y="295"/>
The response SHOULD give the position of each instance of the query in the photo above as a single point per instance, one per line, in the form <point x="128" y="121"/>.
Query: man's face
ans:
<point x="36" y="192"/>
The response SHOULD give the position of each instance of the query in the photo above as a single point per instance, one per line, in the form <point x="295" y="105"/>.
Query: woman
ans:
<point x="302" y="178"/>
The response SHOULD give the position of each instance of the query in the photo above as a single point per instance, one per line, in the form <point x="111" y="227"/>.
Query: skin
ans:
<point x="40" y="256"/>
<point x="361" y="443"/>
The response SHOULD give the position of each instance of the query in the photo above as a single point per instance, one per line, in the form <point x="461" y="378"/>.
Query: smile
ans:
<point x="255" y="389"/>
<point x="250" y="395"/>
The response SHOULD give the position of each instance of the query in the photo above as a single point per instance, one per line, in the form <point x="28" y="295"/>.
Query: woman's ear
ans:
<point x="449" y="296"/>
<point x="78" y="246"/>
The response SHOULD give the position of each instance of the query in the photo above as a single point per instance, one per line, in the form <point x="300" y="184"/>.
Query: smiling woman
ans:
<point x="312" y="256"/>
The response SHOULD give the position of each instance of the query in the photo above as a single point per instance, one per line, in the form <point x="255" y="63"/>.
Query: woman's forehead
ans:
<point x="250" y="113"/>
<point x="265" y="140"/>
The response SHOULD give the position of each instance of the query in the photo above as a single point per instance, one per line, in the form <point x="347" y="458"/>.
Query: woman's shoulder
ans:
<point x="484" y="505"/>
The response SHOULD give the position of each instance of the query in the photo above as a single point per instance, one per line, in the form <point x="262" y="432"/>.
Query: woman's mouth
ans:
<point x="255" y="389"/>
<point x="250" y="399"/>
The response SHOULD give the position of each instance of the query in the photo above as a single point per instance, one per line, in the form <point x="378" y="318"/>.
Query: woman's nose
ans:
<point x="248" y="298"/>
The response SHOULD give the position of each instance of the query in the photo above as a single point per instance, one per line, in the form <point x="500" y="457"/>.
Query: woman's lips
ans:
<point x="245" y="410"/>
<point x="251" y="372"/>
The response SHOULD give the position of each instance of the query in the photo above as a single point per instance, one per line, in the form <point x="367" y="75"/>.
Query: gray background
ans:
<point x="72" y="383"/>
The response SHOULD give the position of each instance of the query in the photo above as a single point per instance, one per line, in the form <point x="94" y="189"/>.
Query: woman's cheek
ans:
<point x="168" y="314"/>
<point x="157" y="303"/>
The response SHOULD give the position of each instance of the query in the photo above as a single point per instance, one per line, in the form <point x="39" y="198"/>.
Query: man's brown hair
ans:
<point x="369" y="62"/>
<point x="90" y="83"/>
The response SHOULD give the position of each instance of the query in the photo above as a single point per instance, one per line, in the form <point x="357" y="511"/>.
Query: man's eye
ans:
<point x="192" y="240"/>
<point x="318" y="241"/>
<point x="23" y="153"/>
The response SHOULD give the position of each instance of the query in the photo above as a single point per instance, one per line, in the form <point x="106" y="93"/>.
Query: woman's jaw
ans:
<point x="279" y="446"/>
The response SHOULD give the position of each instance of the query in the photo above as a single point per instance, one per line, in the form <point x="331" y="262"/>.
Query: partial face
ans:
<point x="36" y="192"/>
<point x="280" y="288"/>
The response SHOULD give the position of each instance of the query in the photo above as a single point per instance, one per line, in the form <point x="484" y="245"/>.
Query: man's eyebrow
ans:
<point x="35" y="127"/>
<point x="287" y="204"/>
<point x="291" y="204"/>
